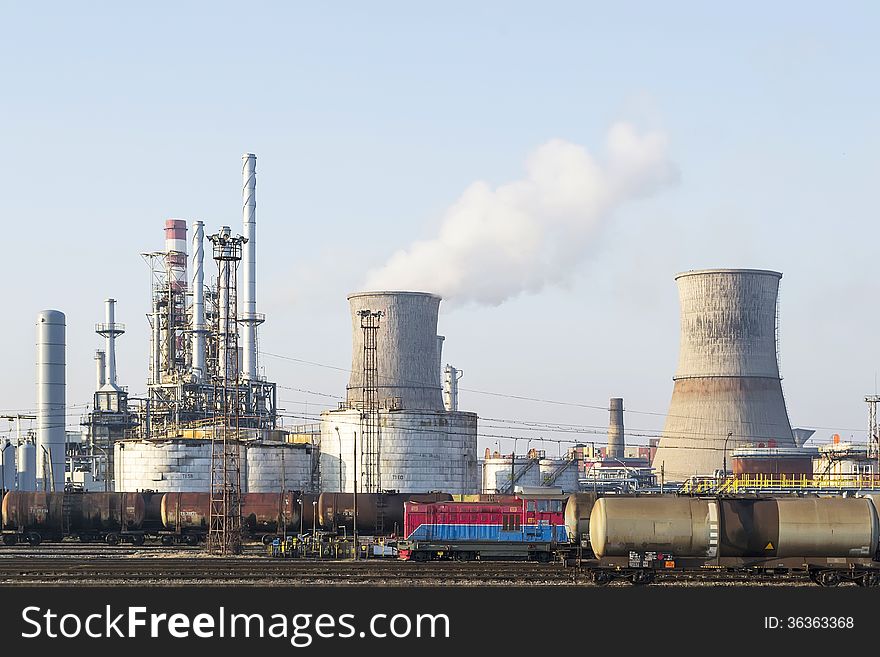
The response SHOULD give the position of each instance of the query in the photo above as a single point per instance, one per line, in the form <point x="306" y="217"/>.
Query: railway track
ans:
<point x="202" y="570"/>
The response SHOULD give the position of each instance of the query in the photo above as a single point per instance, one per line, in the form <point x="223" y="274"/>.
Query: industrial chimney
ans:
<point x="616" y="440"/>
<point x="198" y="327"/>
<point x="51" y="413"/>
<point x="249" y="316"/>
<point x="407" y="344"/>
<point x="109" y="330"/>
<point x="727" y="390"/>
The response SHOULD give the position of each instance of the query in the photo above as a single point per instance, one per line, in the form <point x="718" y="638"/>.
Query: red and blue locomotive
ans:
<point x="529" y="525"/>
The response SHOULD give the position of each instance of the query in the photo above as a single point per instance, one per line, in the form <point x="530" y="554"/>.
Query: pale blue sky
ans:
<point x="370" y="119"/>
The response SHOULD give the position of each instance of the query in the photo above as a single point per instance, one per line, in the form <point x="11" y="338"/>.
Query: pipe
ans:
<point x="198" y="307"/>
<point x="249" y="256"/>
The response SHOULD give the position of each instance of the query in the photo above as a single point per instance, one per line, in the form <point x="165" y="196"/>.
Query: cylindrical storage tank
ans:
<point x="578" y="508"/>
<point x="498" y="472"/>
<point x="51" y="415"/>
<point x="271" y="512"/>
<point x="616" y="440"/>
<point x="559" y="473"/>
<point x="377" y="513"/>
<point x="418" y="451"/>
<point x="27" y="466"/>
<point x="684" y="527"/>
<point x="275" y="466"/>
<point x="407" y="356"/>
<point x="7" y="465"/>
<point x="176" y="465"/>
<point x="779" y="462"/>
<point x="727" y="391"/>
<point x="181" y="511"/>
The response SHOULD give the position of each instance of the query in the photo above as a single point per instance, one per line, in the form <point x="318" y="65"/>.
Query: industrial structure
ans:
<point x="393" y="432"/>
<point x="51" y="400"/>
<point x="727" y="392"/>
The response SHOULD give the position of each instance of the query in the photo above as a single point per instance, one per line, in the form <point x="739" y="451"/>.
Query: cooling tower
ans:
<point x="727" y="392"/>
<point x="406" y="349"/>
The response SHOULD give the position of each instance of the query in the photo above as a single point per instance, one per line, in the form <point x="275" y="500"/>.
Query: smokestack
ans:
<point x="451" y="376"/>
<point x="616" y="440"/>
<point x="51" y="404"/>
<point x="100" y="374"/>
<point x="109" y="330"/>
<point x="175" y="249"/>
<point x="249" y="317"/>
<point x="198" y="307"/>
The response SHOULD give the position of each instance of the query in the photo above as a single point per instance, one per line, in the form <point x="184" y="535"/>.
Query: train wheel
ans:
<point x="167" y="540"/>
<point x="601" y="577"/>
<point x="267" y="539"/>
<point x="9" y="539"/>
<point x="34" y="539"/>
<point x="641" y="578"/>
<point x="419" y="556"/>
<point x="828" y="578"/>
<point x="137" y="539"/>
<point x="868" y="580"/>
<point x="543" y="557"/>
<point x="191" y="539"/>
<point x="111" y="539"/>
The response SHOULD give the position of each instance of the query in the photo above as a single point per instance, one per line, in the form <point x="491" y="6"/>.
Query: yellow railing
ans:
<point x="751" y="482"/>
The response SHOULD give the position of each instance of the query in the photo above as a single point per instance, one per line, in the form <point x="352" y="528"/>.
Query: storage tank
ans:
<point x="261" y="512"/>
<point x="681" y="526"/>
<point x="188" y="510"/>
<point x="7" y="465"/>
<point x="275" y="466"/>
<point x="27" y="466"/>
<point x="51" y="414"/>
<point x="559" y="473"/>
<point x="175" y="465"/>
<point x="727" y="391"/>
<point x="498" y="472"/>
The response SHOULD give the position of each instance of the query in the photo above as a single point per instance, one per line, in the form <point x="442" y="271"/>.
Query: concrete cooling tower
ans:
<point x="727" y="391"/>
<point x="418" y="445"/>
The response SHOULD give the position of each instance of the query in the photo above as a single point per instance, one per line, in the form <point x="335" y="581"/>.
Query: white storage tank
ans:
<point x="498" y="471"/>
<point x="559" y="473"/>
<point x="419" y="451"/>
<point x="7" y="469"/>
<point x="167" y="466"/>
<point x="275" y="466"/>
<point x="27" y="466"/>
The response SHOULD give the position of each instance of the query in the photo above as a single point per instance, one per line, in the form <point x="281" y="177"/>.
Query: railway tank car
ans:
<point x="833" y="539"/>
<point x="37" y="516"/>
<point x="186" y="516"/>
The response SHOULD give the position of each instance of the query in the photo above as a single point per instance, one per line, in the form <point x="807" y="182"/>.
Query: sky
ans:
<point x="705" y="134"/>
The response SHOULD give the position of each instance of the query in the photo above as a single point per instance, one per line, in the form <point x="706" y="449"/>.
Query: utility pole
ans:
<point x="354" y="524"/>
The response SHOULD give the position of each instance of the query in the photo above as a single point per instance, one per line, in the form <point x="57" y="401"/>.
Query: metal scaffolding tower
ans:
<point x="224" y="530"/>
<point x="873" y="430"/>
<point x="370" y="451"/>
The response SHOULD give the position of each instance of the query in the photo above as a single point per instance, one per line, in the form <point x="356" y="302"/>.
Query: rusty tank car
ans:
<point x="37" y="516"/>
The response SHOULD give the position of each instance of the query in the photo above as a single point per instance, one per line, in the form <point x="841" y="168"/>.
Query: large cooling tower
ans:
<point x="406" y="355"/>
<point x="727" y="391"/>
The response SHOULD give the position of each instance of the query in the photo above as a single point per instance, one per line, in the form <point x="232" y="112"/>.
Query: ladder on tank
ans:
<point x="518" y="475"/>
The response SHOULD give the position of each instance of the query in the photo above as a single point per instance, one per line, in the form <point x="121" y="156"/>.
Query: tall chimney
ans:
<point x="51" y="403"/>
<point x="249" y="316"/>
<point x="100" y="373"/>
<point x="616" y="440"/>
<point x="198" y="307"/>
<point x="109" y="330"/>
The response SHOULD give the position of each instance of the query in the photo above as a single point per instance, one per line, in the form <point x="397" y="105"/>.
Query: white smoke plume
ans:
<point x="494" y="244"/>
